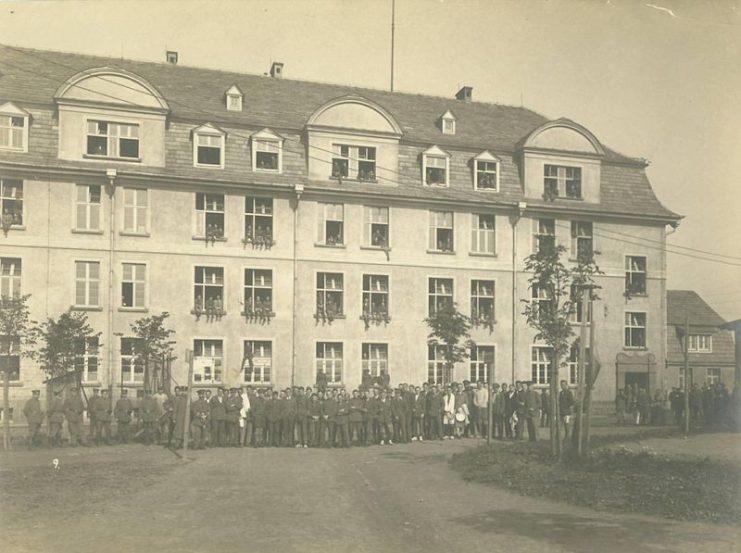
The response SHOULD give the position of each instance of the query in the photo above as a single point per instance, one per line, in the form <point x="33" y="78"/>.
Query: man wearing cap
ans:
<point x="218" y="419"/>
<point x="160" y="430"/>
<point x="73" y="410"/>
<point x="102" y="417"/>
<point x="149" y="415"/>
<point x="272" y="417"/>
<point x="179" y="409"/>
<point x="232" y="409"/>
<point x="122" y="412"/>
<point x="302" y="413"/>
<point x="167" y="419"/>
<point x="91" y="402"/>
<point x="288" y="416"/>
<point x="34" y="416"/>
<point x="199" y="412"/>
<point x="56" y="418"/>
<point x="532" y="407"/>
<point x="245" y="418"/>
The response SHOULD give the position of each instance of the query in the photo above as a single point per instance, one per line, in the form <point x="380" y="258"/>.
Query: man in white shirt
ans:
<point x="245" y="419"/>
<point x="481" y="402"/>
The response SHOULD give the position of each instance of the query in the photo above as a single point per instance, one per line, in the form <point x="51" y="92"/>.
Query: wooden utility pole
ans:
<point x="686" y="375"/>
<point x="186" y="426"/>
<point x="581" y="375"/>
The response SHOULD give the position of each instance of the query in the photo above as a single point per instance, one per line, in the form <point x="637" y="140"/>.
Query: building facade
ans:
<point x="307" y="226"/>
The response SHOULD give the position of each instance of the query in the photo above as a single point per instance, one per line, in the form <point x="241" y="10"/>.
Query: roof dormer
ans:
<point x="447" y="122"/>
<point x="13" y="128"/>
<point x="234" y="97"/>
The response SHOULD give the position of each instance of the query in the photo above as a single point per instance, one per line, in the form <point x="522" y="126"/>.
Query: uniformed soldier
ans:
<point x="34" y="416"/>
<point x="418" y="415"/>
<point x="288" y="418"/>
<point x="371" y="418"/>
<point x="302" y="413"/>
<point x="73" y="410"/>
<point x="435" y="413"/>
<point x="167" y="420"/>
<point x="56" y="418"/>
<point x="122" y="412"/>
<point x="149" y="415"/>
<point x="342" y="419"/>
<point x="232" y="409"/>
<point x="199" y="413"/>
<point x="102" y="418"/>
<point x="398" y="412"/>
<point x="385" y="423"/>
<point x="273" y="416"/>
<point x="257" y="408"/>
<point x="245" y="418"/>
<point x="313" y="418"/>
<point x="218" y="419"/>
<point x="329" y="412"/>
<point x="91" y="402"/>
<point x="357" y="407"/>
<point x="179" y="405"/>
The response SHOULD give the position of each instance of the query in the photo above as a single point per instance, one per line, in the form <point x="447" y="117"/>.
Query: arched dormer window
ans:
<point x="435" y="167"/>
<point x="13" y="128"/>
<point x="267" y="152"/>
<point x="234" y="98"/>
<point x="208" y="146"/>
<point x="486" y="172"/>
<point x="447" y="122"/>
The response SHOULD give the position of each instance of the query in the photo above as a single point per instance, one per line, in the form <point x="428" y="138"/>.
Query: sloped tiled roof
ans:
<point x="682" y="304"/>
<point x="196" y="94"/>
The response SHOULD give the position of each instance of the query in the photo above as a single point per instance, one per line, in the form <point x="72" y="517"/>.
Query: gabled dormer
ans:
<point x="234" y="98"/>
<point x="486" y="172"/>
<point x="267" y="151"/>
<point x="447" y="122"/>
<point x="14" y="123"/>
<point x="435" y="167"/>
<point x="209" y="143"/>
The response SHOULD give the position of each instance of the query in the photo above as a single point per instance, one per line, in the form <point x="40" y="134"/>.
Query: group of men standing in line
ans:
<point x="302" y="416"/>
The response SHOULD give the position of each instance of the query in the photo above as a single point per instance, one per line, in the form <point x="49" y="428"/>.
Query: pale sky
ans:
<point x="659" y="80"/>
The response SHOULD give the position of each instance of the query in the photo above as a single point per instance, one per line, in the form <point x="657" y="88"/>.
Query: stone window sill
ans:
<point x="133" y="233"/>
<point x="337" y="246"/>
<point x="86" y="308"/>
<point x="482" y="254"/>
<point x="205" y="239"/>
<point x="86" y="231"/>
<point x="442" y="252"/>
<point x="111" y="158"/>
<point x="376" y="248"/>
<point x="133" y="309"/>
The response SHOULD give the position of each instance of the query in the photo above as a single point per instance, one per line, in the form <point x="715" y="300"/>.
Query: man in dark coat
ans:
<point x="566" y="409"/>
<point x="435" y="413"/>
<point x="122" y="412"/>
<point x="102" y="417"/>
<point x="199" y="412"/>
<point x="149" y="415"/>
<point x="56" y="418"/>
<point x="532" y="408"/>
<point x="34" y="416"/>
<point x="232" y="409"/>
<point x="218" y="419"/>
<point x="73" y="410"/>
<point x="179" y="410"/>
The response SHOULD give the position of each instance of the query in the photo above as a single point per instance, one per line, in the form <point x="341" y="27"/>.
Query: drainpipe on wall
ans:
<point x="298" y="188"/>
<point x="110" y="189"/>
<point x="519" y="212"/>
<point x="664" y="331"/>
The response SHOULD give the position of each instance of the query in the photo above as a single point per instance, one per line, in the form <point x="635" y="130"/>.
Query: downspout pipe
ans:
<point x="518" y="214"/>
<point x="110" y="189"/>
<point x="298" y="188"/>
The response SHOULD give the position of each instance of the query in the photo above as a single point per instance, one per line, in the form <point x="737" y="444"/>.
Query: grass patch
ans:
<point x="618" y="478"/>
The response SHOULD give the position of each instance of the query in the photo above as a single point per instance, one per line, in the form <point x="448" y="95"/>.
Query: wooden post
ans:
<point x="686" y="375"/>
<point x="581" y="373"/>
<point x="186" y="426"/>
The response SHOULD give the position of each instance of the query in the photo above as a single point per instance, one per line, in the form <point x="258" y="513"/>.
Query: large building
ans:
<point x="309" y="225"/>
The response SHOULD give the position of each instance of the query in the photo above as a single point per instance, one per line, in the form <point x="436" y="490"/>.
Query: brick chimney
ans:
<point x="465" y="94"/>
<point x="276" y="70"/>
<point x="172" y="57"/>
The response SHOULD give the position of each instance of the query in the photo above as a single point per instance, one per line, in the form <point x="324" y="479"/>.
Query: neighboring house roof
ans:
<point x="196" y="94"/>
<point x="682" y="304"/>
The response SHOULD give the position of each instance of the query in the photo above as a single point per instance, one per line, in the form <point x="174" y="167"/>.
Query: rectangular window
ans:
<point x="10" y="277"/>
<point x="435" y="364"/>
<point x="436" y="170"/>
<point x="540" y="365"/>
<point x="134" y="285"/>
<point x="486" y="175"/>
<point x="209" y="215"/>
<point x="258" y="291"/>
<point x="540" y="299"/>
<point x="209" y="150"/>
<point x="208" y="360"/>
<point x="635" y="330"/>
<point x="577" y="312"/>
<point x="700" y="343"/>
<point x="258" y="361"/>
<point x="86" y="359"/>
<point x="482" y="363"/>
<point x="442" y="238"/>
<point x="563" y="182"/>
<point x="132" y="368"/>
<point x="258" y="221"/>
<point x="482" y="302"/>
<point x="329" y="360"/>
<point x="439" y="294"/>
<point x="135" y="210"/>
<point x="635" y="275"/>
<point x="376" y="227"/>
<point x="87" y="284"/>
<point x="375" y="296"/>
<point x="115" y="140"/>
<point x="713" y="376"/>
<point x="2" y="414"/>
<point x="482" y="233"/>
<point x="375" y="359"/>
<point x="12" y="132"/>
<point x="329" y="294"/>
<point x="582" y="242"/>
<point x="11" y="202"/>
<point x="331" y="224"/>
<point x="267" y="155"/>
<point x="544" y="236"/>
<point x="88" y="207"/>
<point x="208" y="290"/>
<point x="573" y="363"/>
<point x="10" y="357"/>
<point x="354" y="162"/>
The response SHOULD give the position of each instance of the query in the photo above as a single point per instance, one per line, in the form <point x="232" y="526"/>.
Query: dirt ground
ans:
<point x="379" y="499"/>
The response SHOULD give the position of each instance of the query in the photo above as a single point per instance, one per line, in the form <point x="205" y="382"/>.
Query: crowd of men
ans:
<point x="302" y="416"/>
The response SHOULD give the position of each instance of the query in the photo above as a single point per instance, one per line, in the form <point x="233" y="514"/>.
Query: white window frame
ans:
<point x="713" y="375"/>
<point x="578" y="309"/>
<point x="435" y="158"/>
<point x="252" y="291"/>
<point x="632" y="269"/>
<point x="483" y="240"/>
<point x="329" y="213"/>
<point x="436" y="222"/>
<point x="262" y="361"/>
<point x="210" y="207"/>
<point x="478" y="369"/>
<point x="135" y="210"/>
<point x="476" y="297"/>
<point x="9" y="114"/>
<point x="266" y="141"/>
<point x="542" y="227"/>
<point x="374" y="364"/>
<point x="210" y="134"/>
<point x="435" y="364"/>
<point x="11" y="283"/>
<point x="562" y="180"/>
<point x="86" y="356"/>
<point x="6" y="200"/>
<point x="700" y="343"/>
<point x="447" y="123"/>
<point x="255" y="218"/>
<point x="573" y="363"/>
<point x="373" y="217"/>
<point x="486" y="159"/>
<point x="577" y="238"/>
<point x="203" y="286"/>
<point x="371" y="292"/>
<point x="354" y="156"/>
<point x="116" y="132"/>
<point x="323" y="291"/>
<point x="139" y="286"/>
<point x="233" y="99"/>
<point x="136" y="366"/>
<point x="90" y="208"/>
<point x="629" y="326"/>
<point x="11" y="357"/>
<point x="332" y="364"/>
<point x="87" y="282"/>
<point x="201" y="362"/>
<point x="434" y="294"/>
<point x="541" y="361"/>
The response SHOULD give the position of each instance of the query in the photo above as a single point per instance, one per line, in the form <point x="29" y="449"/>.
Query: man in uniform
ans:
<point x="218" y="419"/>
<point x="566" y="408"/>
<point x="91" y="402"/>
<point x="102" y="418"/>
<point x="73" y="410"/>
<point x="161" y="430"/>
<point x="199" y="412"/>
<point x="357" y="407"/>
<point x="302" y="412"/>
<point x="257" y="407"/>
<point x="179" y="405"/>
<point x="245" y="418"/>
<point x="288" y="418"/>
<point x="34" y="416"/>
<point x="385" y="423"/>
<point x="480" y="413"/>
<point x="532" y="408"/>
<point x="497" y="410"/>
<point x="167" y="419"/>
<point x="149" y="415"/>
<point x="435" y="413"/>
<point x="56" y="418"/>
<point x="122" y="412"/>
<point x="329" y="414"/>
<point x="370" y="417"/>
<point x="272" y="416"/>
<point x="232" y="409"/>
<point x="418" y="415"/>
<point x="313" y="417"/>
<point x="342" y="419"/>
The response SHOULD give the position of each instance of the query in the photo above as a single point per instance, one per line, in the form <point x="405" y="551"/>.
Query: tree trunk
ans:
<point x="6" y="407"/>
<point x="556" y="444"/>
<point x="147" y="383"/>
